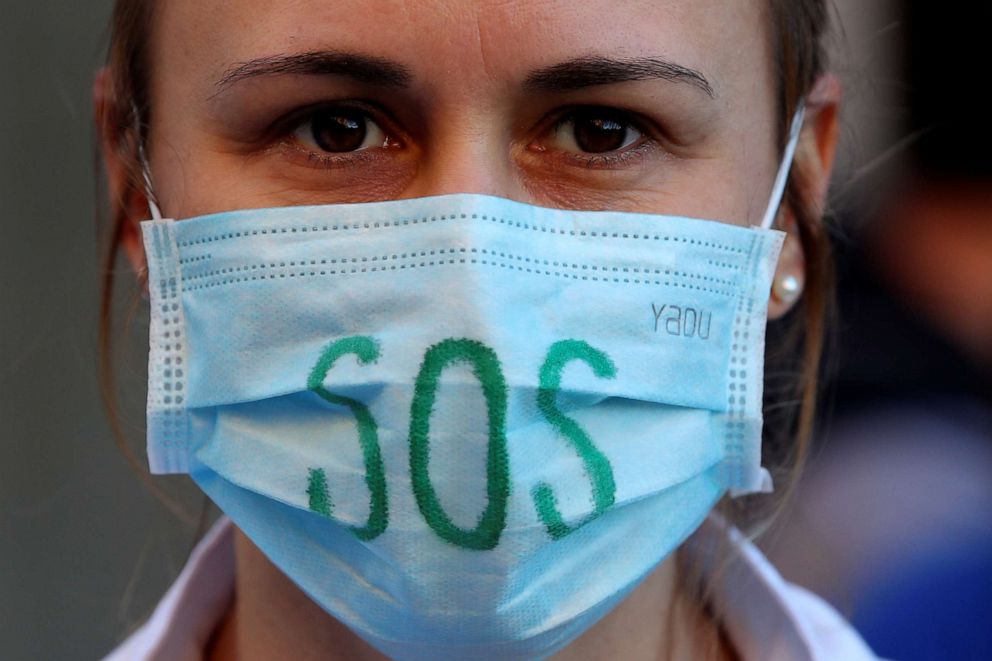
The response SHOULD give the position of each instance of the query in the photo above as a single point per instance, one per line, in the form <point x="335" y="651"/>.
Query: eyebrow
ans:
<point x="589" y="71"/>
<point x="565" y="76"/>
<point x="367" y="69"/>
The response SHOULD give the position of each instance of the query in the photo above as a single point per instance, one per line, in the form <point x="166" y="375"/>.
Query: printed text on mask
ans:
<point x="485" y="366"/>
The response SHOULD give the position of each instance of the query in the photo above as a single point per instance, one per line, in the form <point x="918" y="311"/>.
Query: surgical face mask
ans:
<point x="465" y="426"/>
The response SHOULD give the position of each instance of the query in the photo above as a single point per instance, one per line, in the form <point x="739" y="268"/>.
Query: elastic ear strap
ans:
<point x="145" y="168"/>
<point x="778" y="190"/>
<point x="152" y="207"/>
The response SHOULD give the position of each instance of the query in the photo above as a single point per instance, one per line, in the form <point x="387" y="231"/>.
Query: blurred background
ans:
<point x="893" y="519"/>
<point x="85" y="550"/>
<point x="891" y="523"/>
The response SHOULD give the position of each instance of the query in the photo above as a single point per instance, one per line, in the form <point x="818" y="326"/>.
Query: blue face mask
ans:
<point x="465" y="426"/>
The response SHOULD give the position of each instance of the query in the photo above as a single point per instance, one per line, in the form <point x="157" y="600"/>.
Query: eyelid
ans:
<point x="329" y="161"/>
<point x="572" y="119"/>
<point x="291" y="121"/>
<point x="633" y="117"/>
<point x="282" y="135"/>
<point x="372" y="131"/>
<point x="649" y="139"/>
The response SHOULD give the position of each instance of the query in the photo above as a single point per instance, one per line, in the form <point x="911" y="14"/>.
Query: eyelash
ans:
<point x="623" y="157"/>
<point x="285" y="128"/>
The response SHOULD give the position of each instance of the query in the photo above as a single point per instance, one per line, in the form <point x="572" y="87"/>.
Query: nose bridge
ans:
<point x="467" y="153"/>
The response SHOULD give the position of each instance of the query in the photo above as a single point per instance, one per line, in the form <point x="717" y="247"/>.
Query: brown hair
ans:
<point x="792" y="361"/>
<point x="793" y="354"/>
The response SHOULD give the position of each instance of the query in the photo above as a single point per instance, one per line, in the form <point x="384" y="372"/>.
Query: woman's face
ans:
<point x="663" y="106"/>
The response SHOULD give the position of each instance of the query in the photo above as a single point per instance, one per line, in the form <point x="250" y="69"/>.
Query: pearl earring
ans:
<point x="786" y="288"/>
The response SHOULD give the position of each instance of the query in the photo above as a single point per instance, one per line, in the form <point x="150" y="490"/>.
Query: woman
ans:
<point x="447" y="419"/>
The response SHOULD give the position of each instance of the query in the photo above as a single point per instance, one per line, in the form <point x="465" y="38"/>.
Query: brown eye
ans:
<point x="595" y="131"/>
<point x="338" y="130"/>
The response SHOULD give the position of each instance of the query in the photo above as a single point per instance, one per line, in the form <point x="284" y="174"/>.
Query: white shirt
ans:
<point x="765" y="617"/>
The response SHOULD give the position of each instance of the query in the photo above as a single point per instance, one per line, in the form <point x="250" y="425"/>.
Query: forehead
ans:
<point x="467" y="43"/>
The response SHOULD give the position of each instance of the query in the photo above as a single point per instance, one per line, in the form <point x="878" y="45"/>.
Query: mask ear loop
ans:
<point x="152" y="206"/>
<point x="145" y="168"/>
<point x="778" y="190"/>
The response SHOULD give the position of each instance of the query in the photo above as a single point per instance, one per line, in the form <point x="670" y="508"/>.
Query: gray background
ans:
<point x="85" y="549"/>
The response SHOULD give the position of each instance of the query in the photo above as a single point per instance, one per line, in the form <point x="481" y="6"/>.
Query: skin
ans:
<point x="466" y="122"/>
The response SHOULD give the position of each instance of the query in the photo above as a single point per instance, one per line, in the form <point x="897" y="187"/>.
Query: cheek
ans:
<point x="206" y="180"/>
<point x="740" y="179"/>
<point x="711" y="186"/>
<point x="711" y="190"/>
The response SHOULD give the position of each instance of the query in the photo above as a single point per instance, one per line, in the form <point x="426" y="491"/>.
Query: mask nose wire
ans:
<point x="778" y="189"/>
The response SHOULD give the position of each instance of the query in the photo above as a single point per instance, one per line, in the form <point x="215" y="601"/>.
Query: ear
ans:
<point x="815" y="158"/>
<point x="118" y="146"/>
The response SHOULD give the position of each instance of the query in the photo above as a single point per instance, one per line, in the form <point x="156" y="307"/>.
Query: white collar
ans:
<point x="766" y="618"/>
